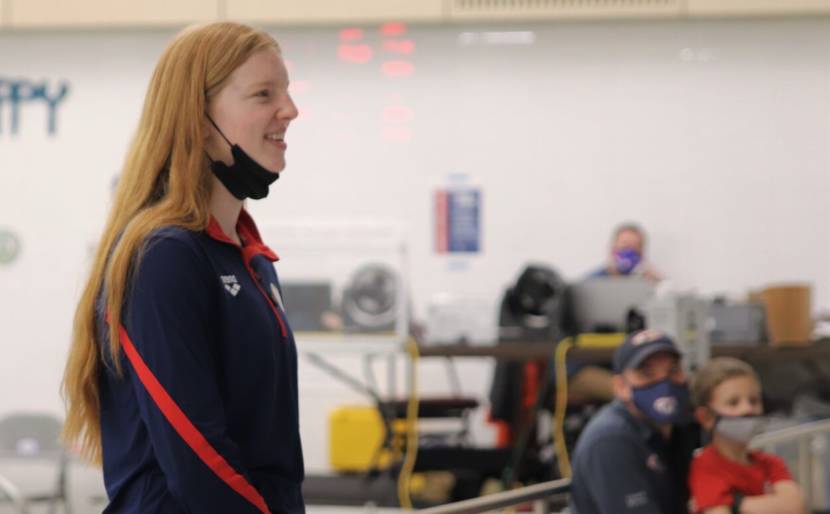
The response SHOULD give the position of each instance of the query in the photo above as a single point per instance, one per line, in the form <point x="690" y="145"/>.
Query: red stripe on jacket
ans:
<point x="187" y="430"/>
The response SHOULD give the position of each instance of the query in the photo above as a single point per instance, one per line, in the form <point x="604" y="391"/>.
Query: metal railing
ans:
<point x="803" y="435"/>
<point x="10" y="492"/>
<point x="537" y="493"/>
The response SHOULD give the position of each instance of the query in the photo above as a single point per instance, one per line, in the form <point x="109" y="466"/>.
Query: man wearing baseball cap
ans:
<point x="634" y="455"/>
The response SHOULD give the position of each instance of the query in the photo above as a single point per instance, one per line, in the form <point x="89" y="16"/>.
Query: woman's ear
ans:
<point x="705" y="417"/>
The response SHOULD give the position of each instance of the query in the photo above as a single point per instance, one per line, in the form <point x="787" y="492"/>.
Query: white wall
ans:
<point x="714" y="135"/>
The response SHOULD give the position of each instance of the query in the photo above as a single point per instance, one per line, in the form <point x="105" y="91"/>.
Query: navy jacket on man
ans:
<point x="624" y="465"/>
<point x="205" y="417"/>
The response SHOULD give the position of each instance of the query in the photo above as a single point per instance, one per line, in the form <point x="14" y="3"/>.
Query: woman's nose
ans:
<point x="288" y="109"/>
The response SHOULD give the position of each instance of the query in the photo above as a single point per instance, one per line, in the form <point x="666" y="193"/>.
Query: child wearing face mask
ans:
<point x="726" y="476"/>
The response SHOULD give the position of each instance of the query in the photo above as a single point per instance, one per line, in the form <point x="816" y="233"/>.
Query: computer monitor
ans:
<point x="601" y="304"/>
<point x="306" y="303"/>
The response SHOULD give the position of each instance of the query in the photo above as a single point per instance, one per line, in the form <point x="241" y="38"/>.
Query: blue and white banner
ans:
<point x="458" y="220"/>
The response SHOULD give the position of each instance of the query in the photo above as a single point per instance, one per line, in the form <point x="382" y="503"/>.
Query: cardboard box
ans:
<point x="788" y="310"/>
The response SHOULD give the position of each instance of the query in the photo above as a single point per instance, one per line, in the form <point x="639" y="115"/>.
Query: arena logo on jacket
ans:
<point x="231" y="284"/>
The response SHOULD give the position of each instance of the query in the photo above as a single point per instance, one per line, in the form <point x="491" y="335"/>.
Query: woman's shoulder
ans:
<point x="169" y="233"/>
<point x="173" y="245"/>
<point x="175" y="235"/>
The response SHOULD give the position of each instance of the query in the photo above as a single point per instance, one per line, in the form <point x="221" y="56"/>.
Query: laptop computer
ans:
<point x="601" y="304"/>
<point x="305" y="305"/>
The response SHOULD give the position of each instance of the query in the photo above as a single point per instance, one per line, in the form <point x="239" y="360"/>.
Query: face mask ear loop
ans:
<point x="218" y="129"/>
<point x="711" y="432"/>
<point x="220" y="133"/>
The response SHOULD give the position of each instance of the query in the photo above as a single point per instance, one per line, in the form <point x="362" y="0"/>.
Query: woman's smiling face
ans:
<point x="253" y="110"/>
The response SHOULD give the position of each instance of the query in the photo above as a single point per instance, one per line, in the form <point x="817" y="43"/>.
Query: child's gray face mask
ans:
<point x="740" y="429"/>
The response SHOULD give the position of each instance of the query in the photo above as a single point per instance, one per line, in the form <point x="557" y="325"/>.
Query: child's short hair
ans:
<point x="714" y="373"/>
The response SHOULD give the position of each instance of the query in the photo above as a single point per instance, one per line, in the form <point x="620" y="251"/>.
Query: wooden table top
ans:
<point x="541" y="350"/>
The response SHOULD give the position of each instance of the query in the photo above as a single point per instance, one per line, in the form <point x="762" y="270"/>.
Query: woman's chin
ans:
<point x="275" y="167"/>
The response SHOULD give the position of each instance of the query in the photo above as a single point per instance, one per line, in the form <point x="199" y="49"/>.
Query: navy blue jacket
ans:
<point x="623" y="465"/>
<point x="205" y="417"/>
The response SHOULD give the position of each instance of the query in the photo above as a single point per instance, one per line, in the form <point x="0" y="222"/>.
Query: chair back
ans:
<point x="35" y="435"/>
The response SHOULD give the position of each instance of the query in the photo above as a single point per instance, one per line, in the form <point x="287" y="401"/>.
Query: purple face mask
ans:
<point x="626" y="260"/>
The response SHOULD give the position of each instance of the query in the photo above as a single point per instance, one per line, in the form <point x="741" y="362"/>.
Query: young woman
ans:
<point x="182" y="375"/>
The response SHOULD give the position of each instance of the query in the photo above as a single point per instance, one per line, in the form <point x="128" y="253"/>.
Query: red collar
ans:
<point x="249" y="234"/>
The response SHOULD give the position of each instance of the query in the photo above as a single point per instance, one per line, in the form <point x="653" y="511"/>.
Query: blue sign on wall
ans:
<point x="16" y="93"/>
<point x="458" y="220"/>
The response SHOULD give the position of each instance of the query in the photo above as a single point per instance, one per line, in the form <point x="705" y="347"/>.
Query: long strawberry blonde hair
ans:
<point x="165" y="181"/>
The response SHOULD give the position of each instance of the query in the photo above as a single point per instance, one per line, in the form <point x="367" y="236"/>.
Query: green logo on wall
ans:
<point x="9" y="246"/>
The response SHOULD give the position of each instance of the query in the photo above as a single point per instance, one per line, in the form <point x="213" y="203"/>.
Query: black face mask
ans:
<point x="245" y="178"/>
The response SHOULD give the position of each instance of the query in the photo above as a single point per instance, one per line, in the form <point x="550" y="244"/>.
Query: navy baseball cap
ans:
<point x="639" y="346"/>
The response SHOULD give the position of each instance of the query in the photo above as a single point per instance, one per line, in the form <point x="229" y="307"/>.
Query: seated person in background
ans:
<point x="634" y="455"/>
<point x="627" y="255"/>
<point x="726" y="477"/>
